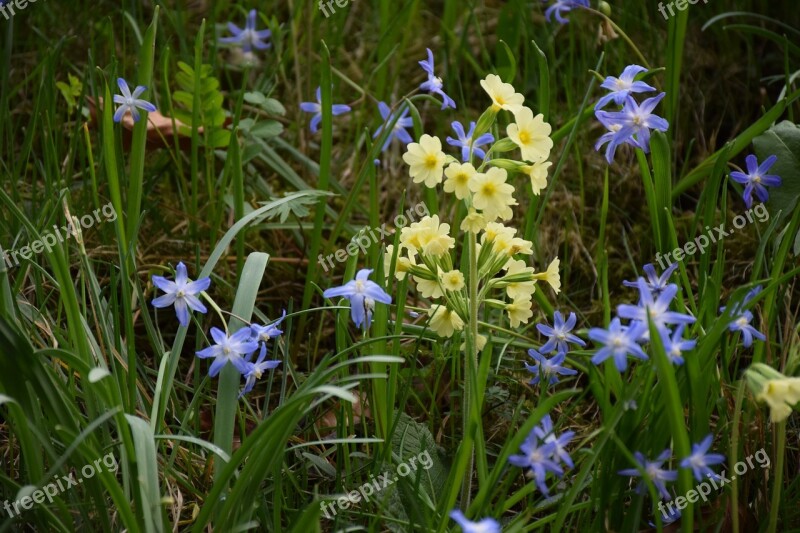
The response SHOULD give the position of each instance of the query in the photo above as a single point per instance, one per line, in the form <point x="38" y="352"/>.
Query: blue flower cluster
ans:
<point x="699" y="461"/>
<point x="631" y="124"/>
<point x="237" y="349"/>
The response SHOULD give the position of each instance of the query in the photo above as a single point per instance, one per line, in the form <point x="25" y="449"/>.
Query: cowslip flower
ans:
<point x="316" y="108"/>
<point x="756" y="180"/>
<point x="618" y="342"/>
<point x="458" y="178"/>
<point x="654" y="282"/>
<point x="559" y="335"/>
<point x="492" y="195"/>
<point x="519" y="310"/>
<point x="426" y="160"/>
<point x="634" y="122"/>
<point x="182" y="293"/>
<point x="452" y="280"/>
<point x="559" y="7"/>
<point x="444" y="321"/>
<point x="653" y="471"/>
<point x="519" y="289"/>
<point x="548" y="369"/>
<point x="538" y="175"/>
<point x="399" y="130"/>
<point x="502" y="94"/>
<point x="402" y="263"/>
<point x="228" y="349"/>
<point x="434" y="83"/>
<point x="781" y="395"/>
<point x="551" y="275"/>
<point x="428" y="236"/>
<point x="248" y="38"/>
<point x="654" y="308"/>
<point x="700" y="460"/>
<point x="546" y="432"/>
<point x="474" y="222"/>
<point x="623" y="86"/>
<point x="531" y="134"/>
<point x="130" y="102"/>
<point x="252" y="372"/>
<point x="675" y="345"/>
<point x="485" y="525"/>
<point x="538" y="458"/>
<point x="467" y="143"/>
<point x="362" y="294"/>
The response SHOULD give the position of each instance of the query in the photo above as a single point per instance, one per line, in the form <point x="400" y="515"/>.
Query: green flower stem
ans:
<point x="471" y="368"/>
<point x="780" y="429"/>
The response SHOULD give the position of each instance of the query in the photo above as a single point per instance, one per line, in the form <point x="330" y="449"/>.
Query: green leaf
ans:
<point x="273" y="107"/>
<point x="267" y="129"/>
<point x="782" y="140"/>
<point x="219" y="139"/>
<point x="297" y="206"/>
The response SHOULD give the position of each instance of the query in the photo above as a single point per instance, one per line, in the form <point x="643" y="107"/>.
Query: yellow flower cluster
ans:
<point x="425" y="246"/>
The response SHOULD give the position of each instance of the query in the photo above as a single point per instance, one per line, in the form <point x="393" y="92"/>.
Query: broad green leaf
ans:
<point x="783" y="141"/>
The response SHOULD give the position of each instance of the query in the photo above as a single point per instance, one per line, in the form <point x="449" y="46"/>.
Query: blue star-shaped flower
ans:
<point x="182" y="293"/>
<point x="362" y="293"/>
<point x="539" y="458"/>
<point x="655" y="283"/>
<point x="549" y="369"/>
<point x="316" y="108"/>
<point x="619" y="341"/>
<point x="486" y="525"/>
<point x="559" y="335"/>
<point x="741" y="319"/>
<point x="546" y="432"/>
<point x="623" y="86"/>
<point x="756" y="179"/>
<point x="653" y="471"/>
<point x="434" y="83"/>
<point x="262" y="334"/>
<point x="560" y="7"/>
<point x="700" y="460"/>
<point x="632" y="123"/>
<point x="252" y="372"/>
<point x="399" y="130"/>
<point x="248" y="37"/>
<point x="675" y="345"/>
<point x="466" y="143"/>
<point x="130" y="102"/>
<point x="654" y="308"/>
<point x="229" y="350"/>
